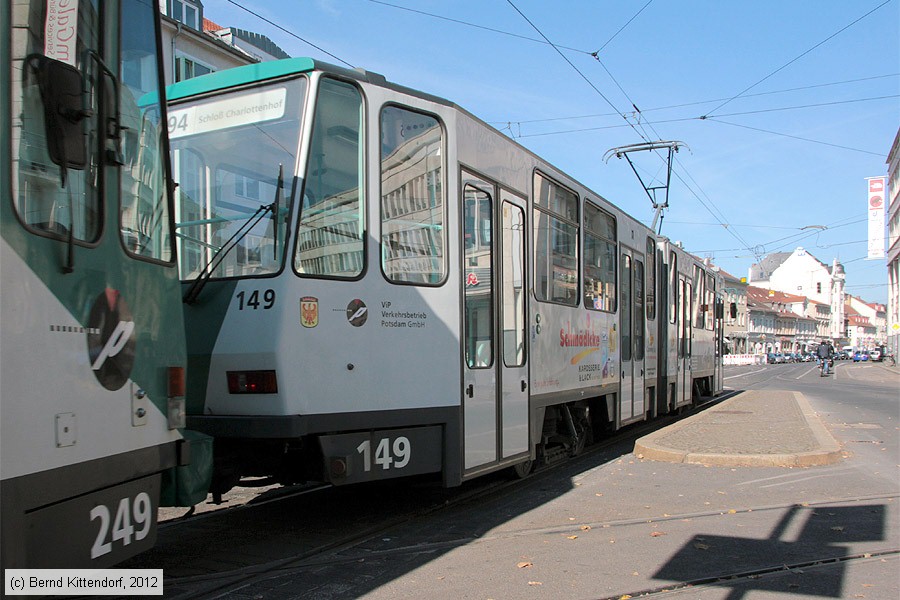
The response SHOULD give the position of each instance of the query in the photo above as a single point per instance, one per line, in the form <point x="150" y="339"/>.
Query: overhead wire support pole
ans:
<point x="650" y="190"/>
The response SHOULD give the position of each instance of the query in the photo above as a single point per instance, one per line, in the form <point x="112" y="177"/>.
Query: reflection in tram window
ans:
<point x="479" y="304"/>
<point x="412" y="197"/>
<point x="599" y="259"/>
<point x="555" y="242"/>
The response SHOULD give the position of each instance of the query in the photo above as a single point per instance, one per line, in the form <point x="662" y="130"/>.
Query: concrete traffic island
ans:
<point x="753" y="429"/>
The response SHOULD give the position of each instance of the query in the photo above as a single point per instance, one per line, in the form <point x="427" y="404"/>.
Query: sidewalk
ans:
<point x="753" y="429"/>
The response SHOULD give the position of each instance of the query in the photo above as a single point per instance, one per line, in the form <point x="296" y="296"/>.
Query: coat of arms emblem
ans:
<point x="309" y="311"/>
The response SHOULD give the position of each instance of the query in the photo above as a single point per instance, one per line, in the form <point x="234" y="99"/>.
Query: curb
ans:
<point x="828" y="451"/>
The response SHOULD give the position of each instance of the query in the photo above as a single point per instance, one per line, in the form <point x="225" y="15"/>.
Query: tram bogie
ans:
<point x="388" y="286"/>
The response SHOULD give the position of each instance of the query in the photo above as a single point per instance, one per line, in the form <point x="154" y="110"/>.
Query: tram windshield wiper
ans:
<point x="246" y="227"/>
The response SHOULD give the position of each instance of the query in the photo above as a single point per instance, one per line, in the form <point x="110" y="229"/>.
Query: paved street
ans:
<point x="611" y="524"/>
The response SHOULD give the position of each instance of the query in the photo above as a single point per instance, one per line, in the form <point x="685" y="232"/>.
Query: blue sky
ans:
<point x="802" y="100"/>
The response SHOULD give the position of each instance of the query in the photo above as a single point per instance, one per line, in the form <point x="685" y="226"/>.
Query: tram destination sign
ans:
<point x="234" y="111"/>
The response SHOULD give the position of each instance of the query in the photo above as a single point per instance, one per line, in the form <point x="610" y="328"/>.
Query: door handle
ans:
<point x="524" y="385"/>
<point x="470" y="391"/>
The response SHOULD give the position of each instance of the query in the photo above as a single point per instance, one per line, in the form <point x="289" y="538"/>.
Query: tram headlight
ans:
<point x="252" y="382"/>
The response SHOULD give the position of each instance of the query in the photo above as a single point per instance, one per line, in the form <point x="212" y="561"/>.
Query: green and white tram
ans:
<point x="378" y="284"/>
<point x="92" y="348"/>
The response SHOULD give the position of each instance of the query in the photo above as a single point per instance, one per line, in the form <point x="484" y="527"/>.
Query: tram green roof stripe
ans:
<point x="238" y="76"/>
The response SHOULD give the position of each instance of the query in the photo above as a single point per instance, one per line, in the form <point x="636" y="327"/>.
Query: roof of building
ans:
<point x="210" y="25"/>
<point x="773" y="296"/>
<point x="763" y="269"/>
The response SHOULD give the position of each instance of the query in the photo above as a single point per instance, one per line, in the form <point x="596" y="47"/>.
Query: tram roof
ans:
<point x="248" y="74"/>
<point x="236" y="76"/>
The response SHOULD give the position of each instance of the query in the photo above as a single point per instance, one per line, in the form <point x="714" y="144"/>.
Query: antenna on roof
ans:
<point x="651" y="190"/>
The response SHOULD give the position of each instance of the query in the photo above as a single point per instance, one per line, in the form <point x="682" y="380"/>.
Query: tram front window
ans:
<point x="233" y="158"/>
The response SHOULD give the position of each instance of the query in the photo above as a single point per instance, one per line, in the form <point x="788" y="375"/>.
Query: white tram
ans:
<point x="378" y="284"/>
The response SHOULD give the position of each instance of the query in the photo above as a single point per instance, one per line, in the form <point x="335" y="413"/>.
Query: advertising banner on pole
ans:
<point x="876" y="217"/>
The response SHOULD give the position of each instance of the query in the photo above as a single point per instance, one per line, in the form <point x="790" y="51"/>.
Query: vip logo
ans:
<point x="111" y="339"/>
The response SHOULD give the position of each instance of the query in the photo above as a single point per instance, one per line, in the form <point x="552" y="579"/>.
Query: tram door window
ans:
<point x="479" y="339"/>
<point x="685" y="376"/>
<point x="480" y="383"/>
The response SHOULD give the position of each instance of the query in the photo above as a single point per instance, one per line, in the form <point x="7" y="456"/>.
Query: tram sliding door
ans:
<point x="495" y="393"/>
<point x="632" y="335"/>
<point x="685" y="314"/>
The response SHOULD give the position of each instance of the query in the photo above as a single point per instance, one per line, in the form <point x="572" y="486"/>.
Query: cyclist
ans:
<point x="825" y="352"/>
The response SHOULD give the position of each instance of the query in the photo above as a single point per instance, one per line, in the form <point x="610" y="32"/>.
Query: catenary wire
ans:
<point x="696" y="103"/>
<point x="795" y="59"/>
<point x="476" y="25"/>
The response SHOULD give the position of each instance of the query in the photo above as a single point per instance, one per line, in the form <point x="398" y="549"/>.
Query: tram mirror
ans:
<point x="61" y="90"/>
<point x="732" y="310"/>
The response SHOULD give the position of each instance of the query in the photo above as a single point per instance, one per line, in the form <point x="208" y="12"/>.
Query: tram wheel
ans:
<point x="523" y="469"/>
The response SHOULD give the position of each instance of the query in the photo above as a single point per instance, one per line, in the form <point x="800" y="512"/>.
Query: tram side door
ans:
<point x="495" y="392"/>
<point x="685" y="336"/>
<point x="632" y="335"/>
<point x="513" y="363"/>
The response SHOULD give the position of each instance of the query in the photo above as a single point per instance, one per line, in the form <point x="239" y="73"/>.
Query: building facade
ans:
<point x="736" y="319"/>
<point x="802" y="274"/>
<point x="893" y="254"/>
<point x="193" y="45"/>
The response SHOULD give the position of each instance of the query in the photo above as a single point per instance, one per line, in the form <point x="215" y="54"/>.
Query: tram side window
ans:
<point x="599" y="259"/>
<point x="413" y="236"/>
<point x="48" y="198"/>
<point x="331" y="233"/>
<point x="710" y="301"/>
<point x="144" y="216"/>
<point x="555" y="242"/>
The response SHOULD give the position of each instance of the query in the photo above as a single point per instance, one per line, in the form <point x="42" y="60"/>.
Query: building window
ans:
<point x="819" y="288"/>
<point x="185" y="12"/>
<point x="188" y="68"/>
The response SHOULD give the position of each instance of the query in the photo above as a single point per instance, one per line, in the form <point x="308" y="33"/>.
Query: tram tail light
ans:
<point x="252" y="382"/>
<point x="175" y="377"/>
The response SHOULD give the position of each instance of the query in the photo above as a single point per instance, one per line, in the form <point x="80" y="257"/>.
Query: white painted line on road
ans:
<point x="745" y="374"/>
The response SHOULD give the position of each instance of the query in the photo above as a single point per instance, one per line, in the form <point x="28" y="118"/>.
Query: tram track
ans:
<point x="405" y="534"/>
<point x="636" y="430"/>
<point x="213" y="586"/>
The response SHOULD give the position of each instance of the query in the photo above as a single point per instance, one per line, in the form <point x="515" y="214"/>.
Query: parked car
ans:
<point x="876" y="355"/>
<point x="770" y="358"/>
<point x="861" y="357"/>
